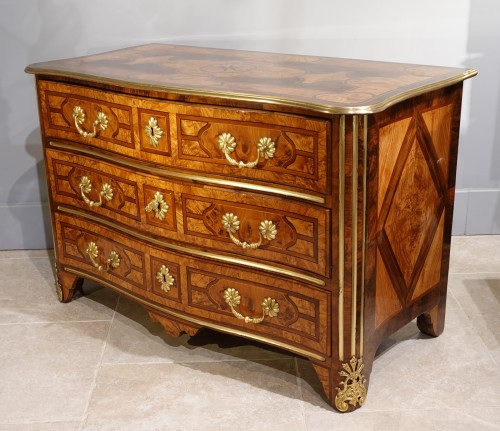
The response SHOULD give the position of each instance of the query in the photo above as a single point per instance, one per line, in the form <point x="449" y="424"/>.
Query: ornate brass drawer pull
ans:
<point x="106" y="192"/>
<point x="153" y="132"/>
<point x="158" y="205"/>
<point x="165" y="278"/>
<point x="231" y="223"/>
<point x="79" y="116"/>
<point x="112" y="262"/>
<point x="266" y="148"/>
<point x="270" y="306"/>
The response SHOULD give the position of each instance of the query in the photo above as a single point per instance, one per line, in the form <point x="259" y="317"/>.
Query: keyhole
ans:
<point x="164" y="278"/>
<point x="158" y="205"/>
<point x="152" y="131"/>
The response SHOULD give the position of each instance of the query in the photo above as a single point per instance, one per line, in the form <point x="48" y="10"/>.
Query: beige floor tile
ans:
<point x="47" y="370"/>
<point x="487" y="325"/>
<point x="27" y="294"/>
<point x="480" y="419"/>
<point x="453" y="370"/>
<point x="479" y="296"/>
<point x="413" y="370"/>
<point x="212" y="381"/>
<point x="46" y="426"/>
<point x="322" y="420"/>
<point x="475" y="254"/>
<point x="21" y="271"/>
<point x="197" y="397"/>
<point x="135" y="338"/>
<point x="476" y="293"/>
<point x="468" y="419"/>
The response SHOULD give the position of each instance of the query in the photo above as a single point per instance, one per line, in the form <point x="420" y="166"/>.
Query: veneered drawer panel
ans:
<point x="282" y="308"/>
<point x="88" y="248"/>
<point x="132" y="126"/>
<point x="248" y="225"/>
<point x="277" y="231"/>
<point x="212" y="140"/>
<point x="82" y="182"/>
<point x="135" y="266"/>
<point x="296" y="313"/>
<point x="293" y="149"/>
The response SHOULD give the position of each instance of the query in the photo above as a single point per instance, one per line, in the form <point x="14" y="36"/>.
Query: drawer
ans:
<point x="112" y="257"/>
<point x="119" y="123"/>
<point x="267" y="147"/>
<point x="214" y="295"/>
<point x="255" y="302"/>
<point x="252" y="226"/>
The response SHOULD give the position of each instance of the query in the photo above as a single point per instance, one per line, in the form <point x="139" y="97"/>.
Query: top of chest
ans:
<point x="255" y="79"/>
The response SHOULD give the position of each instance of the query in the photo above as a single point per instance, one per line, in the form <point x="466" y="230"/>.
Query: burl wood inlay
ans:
<point x="412" y="194"/>
<point x="303" y="202"/>
<point x="60" y="108"/>
<point x="296" y="149"/>
<point x="297" y="234"/>
<point x="302" y="314"/>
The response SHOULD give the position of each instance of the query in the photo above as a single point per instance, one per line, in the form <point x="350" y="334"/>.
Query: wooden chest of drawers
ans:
<point x="305" y="202"/>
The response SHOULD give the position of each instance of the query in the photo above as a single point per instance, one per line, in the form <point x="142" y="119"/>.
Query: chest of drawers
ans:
<point x="304" y="202"/>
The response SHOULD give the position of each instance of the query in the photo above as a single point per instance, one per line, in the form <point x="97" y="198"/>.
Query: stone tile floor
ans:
<point x="99" y="363"/>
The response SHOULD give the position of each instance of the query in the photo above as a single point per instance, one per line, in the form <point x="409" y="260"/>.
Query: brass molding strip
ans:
<point x="354" y="230"/>
<point x="194" y="252"/>
<point x="363" y="258"/>
<point x="341" y="233"/>
<point x="191" y="177"/>
<point x="194" y="320"/>
<point x="256" y="98"/>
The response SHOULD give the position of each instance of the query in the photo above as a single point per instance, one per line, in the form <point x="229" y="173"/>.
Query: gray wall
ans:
<point x="446" y="32"/>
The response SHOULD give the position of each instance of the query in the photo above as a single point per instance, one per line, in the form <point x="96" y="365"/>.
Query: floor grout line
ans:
<point x="45" y="322"/>
<point x="98" y="367"/>
<point x="474" y="327"/>
<point x="298" y="380"/>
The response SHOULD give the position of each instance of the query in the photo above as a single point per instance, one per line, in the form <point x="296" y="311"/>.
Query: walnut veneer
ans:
<point x="305" y="202"/>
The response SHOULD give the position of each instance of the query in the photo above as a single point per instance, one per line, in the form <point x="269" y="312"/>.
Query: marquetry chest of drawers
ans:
<point x="304" y="202"/>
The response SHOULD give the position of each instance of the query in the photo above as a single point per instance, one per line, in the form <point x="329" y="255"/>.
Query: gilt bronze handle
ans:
<point x="265" y="148"/>
<point x="270" y="306"/>
<point x="100" y="123"/>
<point x="112" y="262"/>
<point x="231" y="223"/>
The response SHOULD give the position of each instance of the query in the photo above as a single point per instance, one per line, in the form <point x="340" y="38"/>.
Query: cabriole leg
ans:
<point x="68" y="286"/>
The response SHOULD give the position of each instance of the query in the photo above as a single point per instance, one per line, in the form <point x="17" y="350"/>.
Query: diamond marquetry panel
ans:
<point x="413" y="170"/>
<point x="416" y="201"/>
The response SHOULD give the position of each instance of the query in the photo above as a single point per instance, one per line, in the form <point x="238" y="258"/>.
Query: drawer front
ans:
<point x="275" y="148"/>
<point x="258" y="303"/>
<point x="110" y="256"/>
<point x="252" y="226"/>
<point x="219" y="296"/>
<point x="118" y="123"/>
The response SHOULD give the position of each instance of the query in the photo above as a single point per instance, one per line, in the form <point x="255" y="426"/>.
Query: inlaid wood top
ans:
<point x="329" y="85"/>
